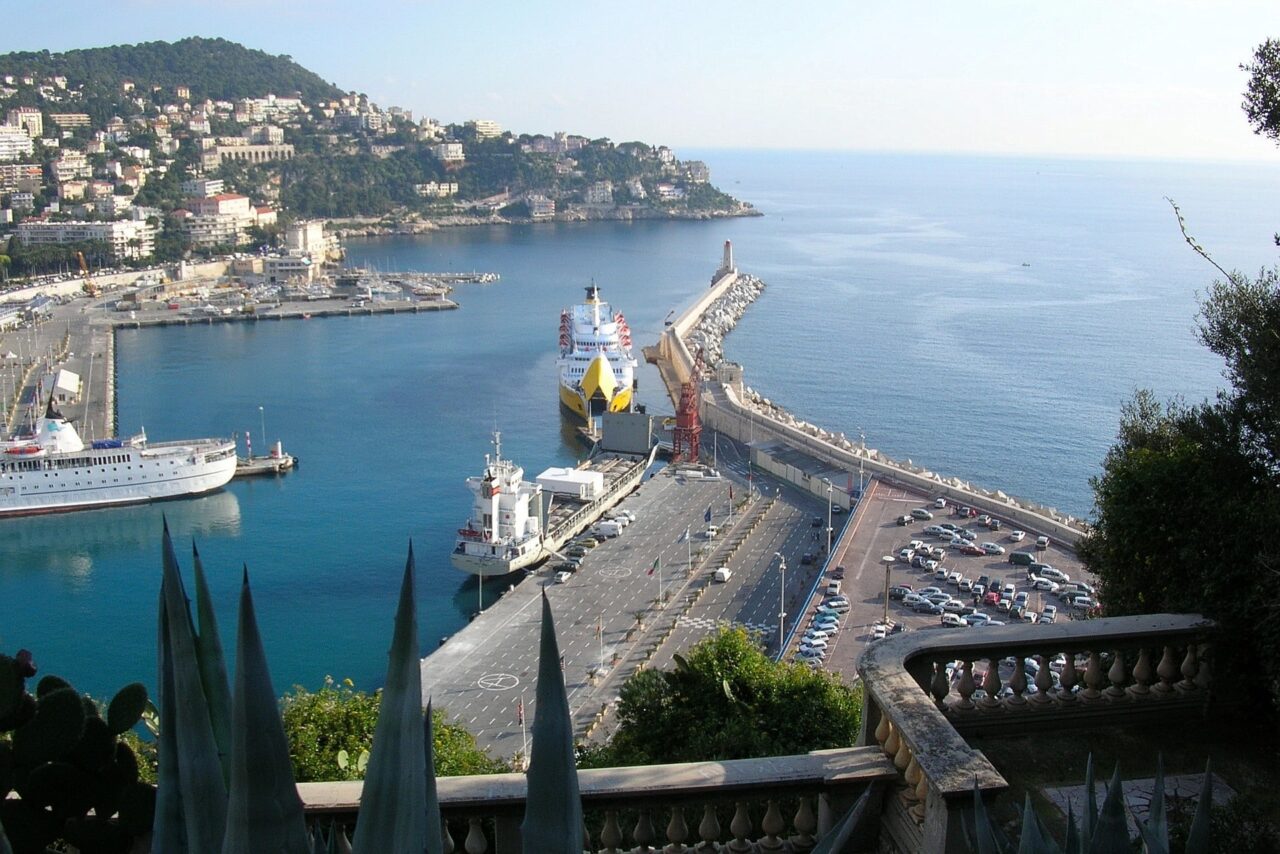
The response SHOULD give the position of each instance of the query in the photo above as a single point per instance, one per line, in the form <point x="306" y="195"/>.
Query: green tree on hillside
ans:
<point x="1188" y="502"/>
<point x="727" y="700"/>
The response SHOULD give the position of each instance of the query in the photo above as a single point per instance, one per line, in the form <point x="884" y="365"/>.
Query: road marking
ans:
<point x="498" y="681"/>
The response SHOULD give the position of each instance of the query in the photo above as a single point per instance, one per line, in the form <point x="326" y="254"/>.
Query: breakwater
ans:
<point x="733" y="408"/>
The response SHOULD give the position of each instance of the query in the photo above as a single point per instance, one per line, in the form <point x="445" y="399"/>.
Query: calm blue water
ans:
<point x="897" y="302"/>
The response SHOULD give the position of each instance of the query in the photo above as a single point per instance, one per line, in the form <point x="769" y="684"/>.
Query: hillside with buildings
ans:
<point x="159" y="152"/>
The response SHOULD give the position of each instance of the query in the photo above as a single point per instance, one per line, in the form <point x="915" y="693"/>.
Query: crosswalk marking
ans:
<point x="707" y="624"/>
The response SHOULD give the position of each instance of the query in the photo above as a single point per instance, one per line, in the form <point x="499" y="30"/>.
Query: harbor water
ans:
<point x="985" y="317"/>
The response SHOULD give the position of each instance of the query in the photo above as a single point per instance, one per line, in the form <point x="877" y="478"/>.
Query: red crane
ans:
<point x="688" y="432"/>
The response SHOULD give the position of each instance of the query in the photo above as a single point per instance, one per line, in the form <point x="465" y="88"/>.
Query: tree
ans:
<point x="1262" y="96"/>
<point x="338" y="719"/>
<point x="728" y="700"/>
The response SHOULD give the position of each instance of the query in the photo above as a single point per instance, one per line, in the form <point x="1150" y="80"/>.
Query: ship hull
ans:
<point x="490" y="567"/>
<point x="573" y="401"/>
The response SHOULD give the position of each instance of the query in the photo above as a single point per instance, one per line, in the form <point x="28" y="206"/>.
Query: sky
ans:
<point x="1122" y="78"/>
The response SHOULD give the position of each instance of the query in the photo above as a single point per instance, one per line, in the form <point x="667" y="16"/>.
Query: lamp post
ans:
<point x="262" y="413"/>
<point x="828" y="483"/>
<point x="888" y="561"/>
<point x="862" y="436"/>
<point x="782" y="602"/>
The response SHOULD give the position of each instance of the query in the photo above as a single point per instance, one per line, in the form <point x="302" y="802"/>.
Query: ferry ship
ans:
<point x="597" y="371"/>
<point x="504" y="533"/>
<point x="52" y="470"/>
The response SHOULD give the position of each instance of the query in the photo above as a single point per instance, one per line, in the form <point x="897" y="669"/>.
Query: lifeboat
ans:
<point x="25" y="451"/>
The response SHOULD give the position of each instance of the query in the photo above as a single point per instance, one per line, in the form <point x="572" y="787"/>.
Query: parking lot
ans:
<point x="877" y="535"/>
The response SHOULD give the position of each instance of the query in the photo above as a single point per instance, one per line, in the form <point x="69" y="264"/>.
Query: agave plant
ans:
<point x="1104" y="832"/>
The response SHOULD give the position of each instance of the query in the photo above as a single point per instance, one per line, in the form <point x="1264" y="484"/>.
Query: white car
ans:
<point x="915" y="544"/>
<point x="940" y="503"/>
<point x="878" y="632"/>
<point x="814" y="643"/>
<point x="812" y="651"/>
<point x="562" y="577"/>
<point x="905" y="555"/>
<point x="912" y="599"/>
<point x="937" y="531"/>
<point x="952" y="621"/>
<point x="838" y="605"/>
<point x="1017" y="536"/>
<point x="1053" y="574"/>
<point x="813" y="656"/>
<point x="993" y="548"/>
<point x="815" y="634"/>
<point x="954" y="606"/>
<point x="1044" y="584"/>
<point x="975" y="618"/>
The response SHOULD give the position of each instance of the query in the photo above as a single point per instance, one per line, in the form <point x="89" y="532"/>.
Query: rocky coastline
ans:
<point x="415" y="224"/>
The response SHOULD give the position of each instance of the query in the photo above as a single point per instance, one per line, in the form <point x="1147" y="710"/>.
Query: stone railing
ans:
<point x="782" y="804"/>
<point x="1119" y="670"/>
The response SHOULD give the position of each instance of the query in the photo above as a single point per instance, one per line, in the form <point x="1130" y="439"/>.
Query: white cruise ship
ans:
<point x="504" y="533"/>
<point x="53" y="471"/>
<point x="597" y="371"/>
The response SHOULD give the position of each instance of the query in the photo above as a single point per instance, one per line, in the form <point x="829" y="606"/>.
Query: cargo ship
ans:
<point x="504" y="533"/>
<point x="597" y="370"/>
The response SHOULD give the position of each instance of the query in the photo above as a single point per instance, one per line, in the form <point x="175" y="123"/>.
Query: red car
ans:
<point x="971" y="549"/>
<point x="991" y="599"/>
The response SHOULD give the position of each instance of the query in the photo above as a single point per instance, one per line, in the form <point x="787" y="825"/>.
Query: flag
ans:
<point x="706" y="517"/>
<point x="684" y="537"/>
<point x="600" y="627"/>
<point x="520" y="711"/>
<point x="654" y="568"/>
<point x="731" y="493"/>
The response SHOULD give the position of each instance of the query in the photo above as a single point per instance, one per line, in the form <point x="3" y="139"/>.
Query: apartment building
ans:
<point x="126" y="238"/>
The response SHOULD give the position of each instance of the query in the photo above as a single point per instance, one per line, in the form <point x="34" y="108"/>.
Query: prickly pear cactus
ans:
<point x="76" y="781"/>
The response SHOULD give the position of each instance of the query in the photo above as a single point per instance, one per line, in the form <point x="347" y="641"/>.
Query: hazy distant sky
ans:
<point x="1116" y="78"/>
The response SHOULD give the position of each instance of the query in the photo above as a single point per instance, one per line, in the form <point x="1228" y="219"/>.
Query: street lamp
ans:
<point x="862" y="435"/>
<point x="782" y="601"/>
<point x="263" y="415"/>
<point x="888" y="561"/>
<point x="828" y="483"/>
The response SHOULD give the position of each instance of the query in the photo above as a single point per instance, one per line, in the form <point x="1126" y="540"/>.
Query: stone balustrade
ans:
<point x="927" y="690"/>
<point x="778" y="804"/>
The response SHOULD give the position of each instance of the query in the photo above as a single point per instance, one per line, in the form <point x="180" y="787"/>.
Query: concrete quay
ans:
<point x="615" y="616"/>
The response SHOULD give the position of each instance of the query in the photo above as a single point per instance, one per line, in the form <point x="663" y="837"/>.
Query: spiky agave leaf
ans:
<point x="839" y="835"/>
<point x="213" y="668"/>
<point x="1075" y="842"/>
<point x="1035" y="839"/>
<point x="435" y="834"/>
<point x="990" y="839"/>
<point x="264" y="812"/>
<point x="1200" y="835"/>
<point x="1090" y="818"/>
<point x="4" y="842"/>
<point x="1111" y="833"/>
<point x="1155" y="831"/>
<point x="202" y="796"/>
<point x="392" y="817"/>
<point x="553" y="808"/>
<point x="168" y="830"/>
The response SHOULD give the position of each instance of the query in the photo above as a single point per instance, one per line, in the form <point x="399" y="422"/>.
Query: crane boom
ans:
<point x="89" y="287"/>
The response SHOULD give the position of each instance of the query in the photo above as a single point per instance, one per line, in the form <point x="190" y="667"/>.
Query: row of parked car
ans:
<point x="579" y="547"/>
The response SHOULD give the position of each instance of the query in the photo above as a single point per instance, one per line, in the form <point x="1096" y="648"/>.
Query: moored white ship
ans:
<point x="504" y="533"/>
<point x="597" y="370"/>
<point x="52" y="471"/>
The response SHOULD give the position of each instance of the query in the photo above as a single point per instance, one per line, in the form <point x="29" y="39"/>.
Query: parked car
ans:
<point x="948" y="526"/>
<point x="918" y="513"/>
<point x="1054" y="575"/>
<point x="816" y="634"/>
<point x="924" y="606"/>
<point x="1022" y="558"/>
<point x="952" y="621"/>
<point x="904" y="520"/>
<point x="911" y="599"/>
<point x="965" y="585"/>
<point x="899" y="591"/>
<point x="814" y="643"/>
<point x="984" y="519"/>
<point x="990" y="598"/>
<point x="1042" y="542"/>
<point x="955" y="606"/>
<point x="929" y="591"/>
<point x="981" y="583"/>
<point x="938" y="598"/>
<point x="971" y="549"/>
<point x="994" y="524"/>
<point x="975" y="618"/>
<point x="839" y="603"/>
<point x="937" y="552"/>
<point x="807" y="651"/>
<point x="563" y="576"/>
<point x="1049" y="613"/>
<point x="1044" y="584"/>
<point x="905" y="554"/>
<point x="917" y="562"/>
<point x="1017" y="536"/>
<point x="940" y="573"/>
<point x="954" y="578"/>
<point x="838" y="573"/>
<point x="986" y="623"/>
<point x="940" y="503"/>
<point x="993" y="548"/>
<point x="1004" y="604"/>
<point x="1082" y="603"/>
<point x="995" y="585"/>
<point x="937" y="531"/>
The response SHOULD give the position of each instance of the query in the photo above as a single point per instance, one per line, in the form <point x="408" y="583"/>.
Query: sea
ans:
<point x="985" y="317"/>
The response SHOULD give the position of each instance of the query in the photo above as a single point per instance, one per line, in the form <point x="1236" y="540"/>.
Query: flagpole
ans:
<point x="600" y="637"/>
<point x="688" y="544"/>
<point x="524" y="740"/>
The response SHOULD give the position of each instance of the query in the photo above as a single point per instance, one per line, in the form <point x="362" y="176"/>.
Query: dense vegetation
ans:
<point x="727" y="700"/>
<point x="1188" y="501"/>
<point x="212" y="68"/>
<point x="330" y="734"/>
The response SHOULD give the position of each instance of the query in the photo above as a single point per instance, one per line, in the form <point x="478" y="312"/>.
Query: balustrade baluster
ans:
<point x="805" y="824"/>
<point x="1018" y="683"/>
<point x="1092" y="679"/>
<point x="643" y="834"/>
<point x="1117" y="676"/>
<point x="447" y="838"/>
<point x="611" y="833"/>
<point x="677" y="832"/>
<point x="891" y="743"/>
<point x="902" y="758"/>
<point x="773" y="825"/>
<point x="922" y="798"/>
<point x="991" y="684"/>
<point x="882" y="729"/>
<point x="586" y="836"/>
<point x="740" y="826"/>
<point x="708" y="829"/>
<point x="1068" y="679"/>
<point x="940" y="684"/>
<point x="475" y="843"/>
<point x="965" y="688"/>
<point x="1190" y="668"/>
<point x="1142" y="675"/>
<point x="1205" y="676"/>
<point x="1043" y="697"/>
<point x="1167" y="670"/>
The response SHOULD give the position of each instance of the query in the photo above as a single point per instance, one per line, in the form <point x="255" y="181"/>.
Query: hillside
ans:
<point x="212" y="68"/>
